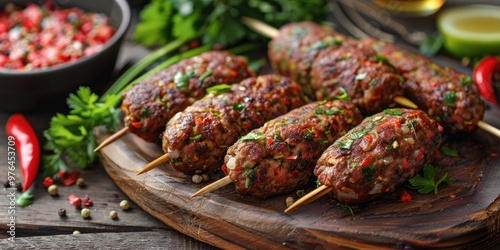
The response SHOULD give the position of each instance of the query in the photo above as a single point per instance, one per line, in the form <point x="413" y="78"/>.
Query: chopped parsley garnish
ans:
<point x="343" y="96"/>
<point x="368" y="172"/>
<point x="449" y="151"/>
<point x="146" y="112"/>
<point x="321" y="111"/>
<point x="181" y="79"/>
<point x="251" y="136"/>
<point x="238" y="106"/>
<point x="205" y="75"/>
<point x="393" y="111"/>
<point x="195" y="138"/>
<point x="250" y="173"/>
<point x="465" y="80"/>
<point x="427" y="183"/>
<point x="219" y="89"/>
<point x="309" y="134"/>
<point x="373" y="82"/>
<point x="361" y="76"/>
<point x="449" y="98"/>
<point x="384" y="59"/>
<point x="346" y="145"/>
<point x="323" y="141"/>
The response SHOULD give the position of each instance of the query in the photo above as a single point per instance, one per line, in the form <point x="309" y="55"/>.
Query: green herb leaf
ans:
<point x="393" y="111"/>
<point x="426" y="183"/>
<point x="251" y="136"/>
<point x="361" y="76"/>
<point x="465" y="80"/>
<point x="346" y="144"/>
<point x="449" y="151"/>
<point x="219" y="89"/>
<point x="238" y="106"/>
<point x="25" y="199"/>
<point x="195" y="138"/>
<point x="432" y="44"/>
<point x="205" y="75"/>
<point x="449" y="98"/>
<point x="368" y="172"/>
<point x="343" y="96"/>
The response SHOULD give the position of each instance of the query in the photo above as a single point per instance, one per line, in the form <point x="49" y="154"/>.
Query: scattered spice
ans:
<point x="405" y="197"/>
<point x="113" y="215"/>
<point x="196" y="178"/>
<point x="48" y="181"/>
<point x="493" y="154"/>
<point x="53" y="190"/>
<point x="19" y="187"/>
<point x="62" y="212"/>
<point x="87" y="202"/>
<point x="75" y="200"/>
<point x="289" y="201"/>
<point x="205" y="177"/>
<point x="76" y="232"/>
<point x="85" y="213"/>
<point x="124" y="205"/>
<point x="80" y="182"/>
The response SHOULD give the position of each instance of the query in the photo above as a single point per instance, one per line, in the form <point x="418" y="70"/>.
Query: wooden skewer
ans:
<point x="488" y="128"/>
<point x="310" y="197"/>
<point x="112" y="138"/>
<point x="154" y="164"/>
<point x="405" y="102"/>
<point x="214" y="186"/>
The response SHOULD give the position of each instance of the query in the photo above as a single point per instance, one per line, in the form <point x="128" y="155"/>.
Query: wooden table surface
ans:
<point x="39" y="226"/>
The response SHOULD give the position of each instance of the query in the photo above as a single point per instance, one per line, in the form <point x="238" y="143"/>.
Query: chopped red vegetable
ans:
<point x="48" y="181"/>
<point x="405" y="197"/>
<point x="87" y="202"/>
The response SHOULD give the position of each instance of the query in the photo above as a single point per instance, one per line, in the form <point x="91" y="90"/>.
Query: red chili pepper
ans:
<point x="75" y="200"/>
<point x="483" y="74"/>
<point x="27" y="146"/>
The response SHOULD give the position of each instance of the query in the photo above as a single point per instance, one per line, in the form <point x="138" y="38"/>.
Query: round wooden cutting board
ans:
<point x="464" y="214"/>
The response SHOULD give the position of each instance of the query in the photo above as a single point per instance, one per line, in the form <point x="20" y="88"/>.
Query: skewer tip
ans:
<point x="405" y="102"/>
<point x="212" y="187"/>
<point x="308" y="198"/>
<point x="112" y="138"/>
<point x="488" y="128"/>
<point x="158" y="161"/>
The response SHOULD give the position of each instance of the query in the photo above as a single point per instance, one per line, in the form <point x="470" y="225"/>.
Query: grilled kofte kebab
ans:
<point x="330" y="65"/>
<point x="302" y="51"/>
<point x="196" y="139"/>
<point x="150" y="104"/>
<point x="280" y="156"/>
<point x="377" y="156"/>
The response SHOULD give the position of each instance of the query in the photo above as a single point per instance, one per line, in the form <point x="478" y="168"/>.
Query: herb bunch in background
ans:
<point x="219" y="21"/>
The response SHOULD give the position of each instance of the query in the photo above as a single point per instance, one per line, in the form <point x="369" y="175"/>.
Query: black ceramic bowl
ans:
<point x="47" y="88"/>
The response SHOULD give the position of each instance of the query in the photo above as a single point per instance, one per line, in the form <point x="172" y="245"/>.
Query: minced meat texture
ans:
<point x="197" y="138"/>
<point x="280" y="156"/>
<point x="295" y="49"/>
<point x="369" y="82"/>
<point x="378" y="155"/>
<point x="149" y="105"/>
<point x="447" y="96"/>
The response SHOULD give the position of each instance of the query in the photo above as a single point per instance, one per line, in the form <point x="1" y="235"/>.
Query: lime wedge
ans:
<point x="472" y="30"/>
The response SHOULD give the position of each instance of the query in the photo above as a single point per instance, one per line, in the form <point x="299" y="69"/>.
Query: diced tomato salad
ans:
<point x="40" y="36"/>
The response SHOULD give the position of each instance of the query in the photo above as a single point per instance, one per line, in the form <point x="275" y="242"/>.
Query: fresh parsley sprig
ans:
<point x="427" y="183"/>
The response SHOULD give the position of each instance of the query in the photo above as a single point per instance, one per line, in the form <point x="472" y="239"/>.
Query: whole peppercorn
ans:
<point x="19" y="187"/>
<point x="53" y="190"/>
<point x="76" y="232"/>
<point x="205" y="177"/>
<point x="196" y="178"/>
<point x="124" y="205"/>
<point x="80" y="182"/>
<point x="85" y="213"/>
<point x="113" y="215"/>
<point x="62" y="212"/>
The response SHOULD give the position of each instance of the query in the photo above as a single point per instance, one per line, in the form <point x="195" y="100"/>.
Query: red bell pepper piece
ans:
<point x="27" y="147"/>
<point x="483" y="74"/>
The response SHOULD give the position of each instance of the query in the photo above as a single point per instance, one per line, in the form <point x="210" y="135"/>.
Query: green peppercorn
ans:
<point x="53" y="191"/>
<point x="124" y="205"/>
<point x="62" y="212"/>
<point x="85" y="213"/>
<point x="80" y="182"/>
<point x="113" y="214"/>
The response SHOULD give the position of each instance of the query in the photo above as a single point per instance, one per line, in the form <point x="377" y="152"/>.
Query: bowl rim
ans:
<point x="120" y="32"/>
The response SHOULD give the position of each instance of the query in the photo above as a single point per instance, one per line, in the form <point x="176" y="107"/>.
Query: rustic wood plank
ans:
<point x="463" y="214"/>
<point x="129" y="240"/>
